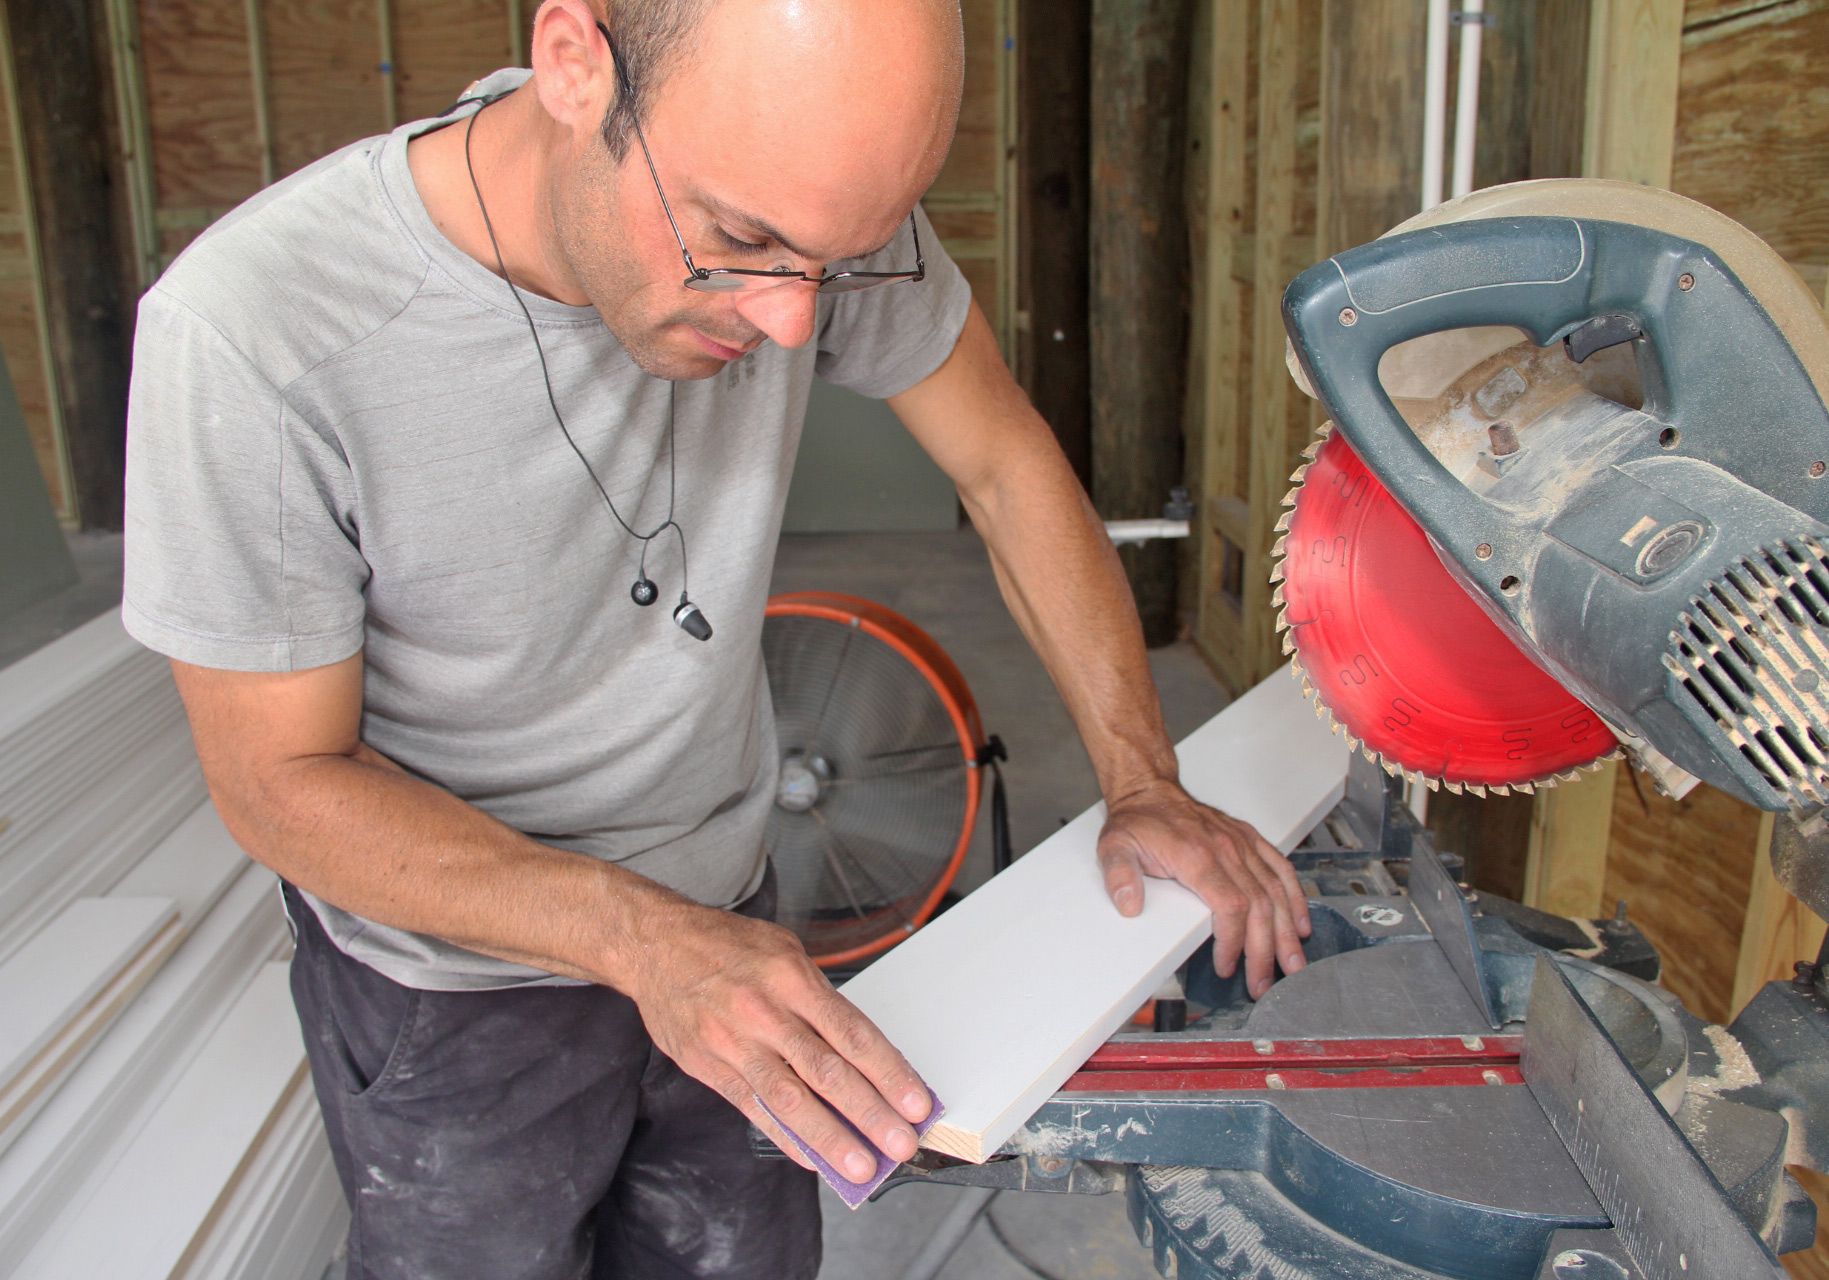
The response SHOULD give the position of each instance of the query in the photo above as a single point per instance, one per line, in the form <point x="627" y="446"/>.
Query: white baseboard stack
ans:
<point x="156" y="1118"/>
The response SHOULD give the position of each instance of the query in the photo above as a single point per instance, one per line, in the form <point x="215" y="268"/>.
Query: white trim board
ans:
<point x="66" y="965"/>
<point x="42" y="679"/>
<point x="285" y="1215"/>
<point x="193" y="866"/>
<point x="64" y="989"/>
<point x="141" y="1217"/>
<point x="99" y="1107"/>
<point x="1004" y="996"/>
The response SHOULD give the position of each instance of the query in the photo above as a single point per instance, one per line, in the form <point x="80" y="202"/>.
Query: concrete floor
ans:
<point x="943" y="583"/>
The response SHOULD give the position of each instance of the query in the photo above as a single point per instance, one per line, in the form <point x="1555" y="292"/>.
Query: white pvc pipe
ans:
<point x="1125" y="531"/>
<point x="1435" y="102"/>
<point x="1467" y="95"/>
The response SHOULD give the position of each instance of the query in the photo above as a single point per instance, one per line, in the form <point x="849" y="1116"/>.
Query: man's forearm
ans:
<point x="363" y="834"/>
<point x="1063" y="583"/>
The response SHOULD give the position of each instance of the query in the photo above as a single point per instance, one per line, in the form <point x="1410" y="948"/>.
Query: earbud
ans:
<point x="644" y="592"/>
<point x="691" y="621"/>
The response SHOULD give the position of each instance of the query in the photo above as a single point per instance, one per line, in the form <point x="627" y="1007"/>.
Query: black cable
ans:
<point x="990" y="756"/>
<point x="1017" y="1256"/>
<point x="552" y="400"/>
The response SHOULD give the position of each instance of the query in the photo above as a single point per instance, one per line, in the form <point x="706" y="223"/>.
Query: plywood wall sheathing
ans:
<point x="440" y="46"/>
<point x="1752" y="125"/>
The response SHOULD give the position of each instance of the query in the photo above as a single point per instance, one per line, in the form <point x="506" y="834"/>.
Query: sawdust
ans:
<point x="1595" y="945"/>
<point x="1734" y="1071"/>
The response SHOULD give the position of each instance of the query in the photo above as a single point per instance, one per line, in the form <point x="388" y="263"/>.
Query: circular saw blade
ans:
<point x="1402" y="657"/>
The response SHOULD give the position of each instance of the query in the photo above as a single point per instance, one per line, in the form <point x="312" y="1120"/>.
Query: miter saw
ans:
<point x="1571" y="503"/>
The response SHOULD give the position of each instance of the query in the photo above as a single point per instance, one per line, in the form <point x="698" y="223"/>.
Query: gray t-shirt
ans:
<point x="338" y="440"/>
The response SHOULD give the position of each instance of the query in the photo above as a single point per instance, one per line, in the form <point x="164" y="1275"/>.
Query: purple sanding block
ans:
<point x="855" y="1193"/>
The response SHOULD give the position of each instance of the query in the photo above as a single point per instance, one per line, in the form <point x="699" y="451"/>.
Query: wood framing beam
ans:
<point x="1629" y="58"/>
<point x="1634" y="48"/>
<point x="1565" y="869"/>
<point x="1779" y="929"/>
<point x="1274" y="443"/>
<point x="1372" y="52"/>
<point x="1000" y="999"/>
<point x="1220" y="330"/>
<point x="1054" y="149"/>
<point x="65" y="105"/>
<point x="1139" y="262"/>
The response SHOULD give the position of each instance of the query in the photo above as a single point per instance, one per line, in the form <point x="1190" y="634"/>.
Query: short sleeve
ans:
<point x="241" y="544"/>
<point x="880" y="342"/>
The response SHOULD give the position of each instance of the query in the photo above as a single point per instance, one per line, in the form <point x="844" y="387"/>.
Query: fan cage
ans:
<point x="924" y="654"/>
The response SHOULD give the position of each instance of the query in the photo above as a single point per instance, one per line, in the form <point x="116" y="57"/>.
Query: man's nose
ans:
<point x="785" y="313"/>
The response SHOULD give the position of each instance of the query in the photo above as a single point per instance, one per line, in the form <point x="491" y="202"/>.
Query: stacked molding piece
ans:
<point x="156" y="1118"/>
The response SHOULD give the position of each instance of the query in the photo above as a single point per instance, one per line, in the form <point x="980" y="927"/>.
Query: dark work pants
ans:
<point x="533" y="1133"/>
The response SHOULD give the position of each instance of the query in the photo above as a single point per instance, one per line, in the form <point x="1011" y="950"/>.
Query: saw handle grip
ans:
<point x="1546" y="276"/>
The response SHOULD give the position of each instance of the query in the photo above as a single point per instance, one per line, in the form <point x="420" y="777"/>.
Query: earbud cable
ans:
<point x="553" y="401"/>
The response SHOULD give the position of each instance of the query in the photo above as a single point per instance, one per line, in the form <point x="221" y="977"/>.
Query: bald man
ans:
<point x="409" y="430"/>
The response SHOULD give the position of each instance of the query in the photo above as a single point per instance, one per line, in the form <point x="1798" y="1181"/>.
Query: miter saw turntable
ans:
<point x="1571" y="504"/>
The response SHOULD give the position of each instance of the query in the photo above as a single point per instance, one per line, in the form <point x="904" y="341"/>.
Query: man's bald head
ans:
<point x="787" y="135"/>
<point x="787" y="39"/>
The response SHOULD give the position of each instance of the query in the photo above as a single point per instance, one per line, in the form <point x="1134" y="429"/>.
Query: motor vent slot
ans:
<point x="1752" y="651"/>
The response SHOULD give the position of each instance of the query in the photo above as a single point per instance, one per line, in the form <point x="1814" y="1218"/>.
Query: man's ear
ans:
<point x="573" y="73"/>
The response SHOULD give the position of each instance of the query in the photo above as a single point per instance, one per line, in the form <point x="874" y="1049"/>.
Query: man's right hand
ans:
<point x="738" y="1005"/>
<point x="734" y="1001"/>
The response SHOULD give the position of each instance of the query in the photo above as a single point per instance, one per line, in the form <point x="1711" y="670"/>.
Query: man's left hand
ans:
<point x="1259" y="910"/>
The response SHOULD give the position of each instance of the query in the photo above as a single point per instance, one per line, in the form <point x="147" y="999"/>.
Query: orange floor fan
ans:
<point x="882" y="767"/>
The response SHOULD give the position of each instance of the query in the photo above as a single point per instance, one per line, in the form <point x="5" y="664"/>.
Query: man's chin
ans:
<point x="685" y="356"/>
<point x="677" y="364"/>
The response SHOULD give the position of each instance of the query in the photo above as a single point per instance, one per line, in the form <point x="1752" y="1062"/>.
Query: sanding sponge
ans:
<point x="855" y="1193"/>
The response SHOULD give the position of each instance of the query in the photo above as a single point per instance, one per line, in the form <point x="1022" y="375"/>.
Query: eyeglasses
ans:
<point x="740" y="279"/>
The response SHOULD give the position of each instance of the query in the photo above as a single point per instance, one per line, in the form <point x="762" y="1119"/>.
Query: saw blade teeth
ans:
<point x="1289" y="499"/>
<point x="1289" y="644"/>
<point x="1282" y="522"/>
<point x="1276" y="597"/>
<point x="1528" y="788"/>
<point x="1475" y="789"/>
<point x="1454" y="788"/>
<point x="1280" y="548"/>
<point x="1276" y="573"/>
<point x="1282" y="622"/>
<point x="1314" y="448"/>
<point x="1501" y="790"/>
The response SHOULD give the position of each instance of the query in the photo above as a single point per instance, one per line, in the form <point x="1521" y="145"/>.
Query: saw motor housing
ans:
<point x="1650" y="530"/>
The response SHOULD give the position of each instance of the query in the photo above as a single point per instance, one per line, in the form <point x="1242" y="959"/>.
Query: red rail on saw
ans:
<point x="1176" y="1066"/>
